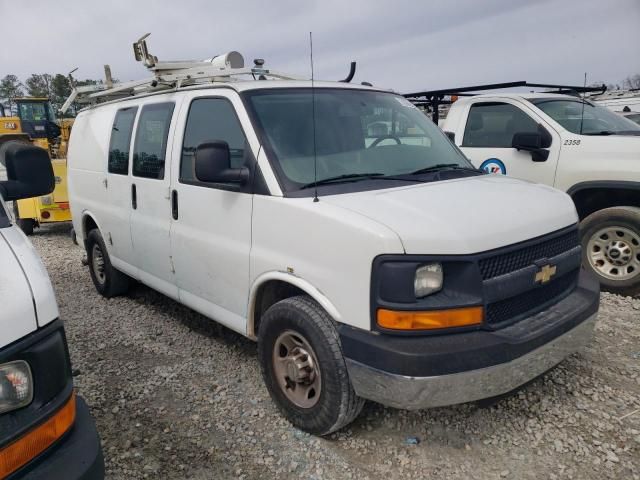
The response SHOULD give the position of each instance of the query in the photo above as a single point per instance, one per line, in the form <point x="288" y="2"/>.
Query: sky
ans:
<point x="399" y="44"/>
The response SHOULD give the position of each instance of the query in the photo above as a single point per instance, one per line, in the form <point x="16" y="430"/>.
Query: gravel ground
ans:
<point x="176" y="396"/>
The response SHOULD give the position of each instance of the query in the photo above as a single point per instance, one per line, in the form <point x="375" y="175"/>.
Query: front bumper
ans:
<point x="465" y="367"/>
<point x="76" y="456"/>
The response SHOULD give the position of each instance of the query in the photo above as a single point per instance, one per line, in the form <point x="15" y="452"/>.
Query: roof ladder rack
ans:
<point x="170" y="76"/>
<point x="435" y="98"/>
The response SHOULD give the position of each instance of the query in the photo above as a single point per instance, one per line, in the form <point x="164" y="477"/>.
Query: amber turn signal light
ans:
<point x="430" y="320"/>
<point x="36" y="441"/>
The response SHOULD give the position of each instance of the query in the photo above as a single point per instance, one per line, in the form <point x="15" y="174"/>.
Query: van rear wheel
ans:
<point x="611" y="248"/>
<point x="108" y="281"/>
<point x="303" y="366"/>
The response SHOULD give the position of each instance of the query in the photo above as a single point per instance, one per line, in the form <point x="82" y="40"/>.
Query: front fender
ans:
<point x="291" y="279"/>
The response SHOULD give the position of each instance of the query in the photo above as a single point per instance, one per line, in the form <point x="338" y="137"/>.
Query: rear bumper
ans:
<point x="77" y="456"/>
<point x="465" y="367"/>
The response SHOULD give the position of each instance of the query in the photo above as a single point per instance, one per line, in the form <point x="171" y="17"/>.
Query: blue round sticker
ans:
<point x="493" y="165"/>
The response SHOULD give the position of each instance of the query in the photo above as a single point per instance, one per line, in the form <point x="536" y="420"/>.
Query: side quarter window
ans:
<point x="493" y="125"/>
<point x="149" y="151"/>
<point x="211" y="119"/>
<point x="121" y="141"/>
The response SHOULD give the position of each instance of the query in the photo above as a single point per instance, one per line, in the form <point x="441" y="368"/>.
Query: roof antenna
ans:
<point x="313" y="114"/>
<point x="583" y="102"/>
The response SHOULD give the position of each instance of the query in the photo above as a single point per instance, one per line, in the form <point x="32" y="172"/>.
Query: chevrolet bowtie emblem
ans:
<point x="545" y="273"/>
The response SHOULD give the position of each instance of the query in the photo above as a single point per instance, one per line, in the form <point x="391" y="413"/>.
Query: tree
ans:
<point x="39" y="85"/>
<point x="632" y="81"/>
<point x="10" y="88"/>
<point x="60" y="91"/>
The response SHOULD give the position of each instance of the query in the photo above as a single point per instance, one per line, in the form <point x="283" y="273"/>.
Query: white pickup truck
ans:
<point x="576" y="146"/>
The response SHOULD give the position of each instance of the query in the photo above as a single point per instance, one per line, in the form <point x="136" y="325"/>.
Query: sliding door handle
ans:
<point x="134" y="196"/>
<point x="174" y="204"/>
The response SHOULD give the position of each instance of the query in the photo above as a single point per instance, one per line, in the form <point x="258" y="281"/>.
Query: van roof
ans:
<point x="248" y="85"/>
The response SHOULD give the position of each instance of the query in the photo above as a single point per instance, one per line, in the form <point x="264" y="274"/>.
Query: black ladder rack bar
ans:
<point x="435" y="98"/>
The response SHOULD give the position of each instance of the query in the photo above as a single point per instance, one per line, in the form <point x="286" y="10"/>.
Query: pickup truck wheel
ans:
<point x="303" y="366"/>
<point x="611" y="248"/>
<point x="108" y="281"/>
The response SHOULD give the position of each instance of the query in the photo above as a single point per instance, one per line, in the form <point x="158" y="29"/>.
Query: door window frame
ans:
<point x="134" y="126"/>
<point x="526" y="107"/>
<point x="167" y="136"/>
<point x="252" y="161"/>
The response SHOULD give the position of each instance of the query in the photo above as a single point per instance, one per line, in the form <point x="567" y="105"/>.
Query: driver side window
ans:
<point x="493" y="125"/>
<point x="211" y="119"/>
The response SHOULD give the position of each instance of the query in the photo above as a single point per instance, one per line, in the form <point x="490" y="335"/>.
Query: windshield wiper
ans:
<point x="342" y="178"/>
<point x="609" y="132"/>
<point x="444" y="166"/>
<point x="602" y="132"/>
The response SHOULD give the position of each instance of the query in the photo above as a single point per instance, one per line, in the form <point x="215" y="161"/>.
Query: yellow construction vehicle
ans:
<point x="34" y="121"/>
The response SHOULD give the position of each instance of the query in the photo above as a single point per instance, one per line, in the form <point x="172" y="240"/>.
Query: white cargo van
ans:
<point x="581" y="148"/>
<point x="368" y="262"/>
<point x="46" y="431"/>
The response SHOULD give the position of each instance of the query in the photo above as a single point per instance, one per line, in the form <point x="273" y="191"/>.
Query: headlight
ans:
<point x="428" y="279"/>
<point x="16" y="385"/>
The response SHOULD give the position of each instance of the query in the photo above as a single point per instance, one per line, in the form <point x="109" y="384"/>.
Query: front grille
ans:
<point x="523" y="257"/>
<point x="531" y="301"/>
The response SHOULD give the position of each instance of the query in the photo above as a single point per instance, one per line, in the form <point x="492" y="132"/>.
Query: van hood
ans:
<point x="463" y="216"/>
<point x="26" y="296"/>
<point x="18" y="317"/>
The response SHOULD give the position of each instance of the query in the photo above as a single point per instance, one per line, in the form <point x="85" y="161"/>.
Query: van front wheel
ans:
<point x="303" y="366"/>
<point x="611" y="248"/>
<point x="108" y="281"/>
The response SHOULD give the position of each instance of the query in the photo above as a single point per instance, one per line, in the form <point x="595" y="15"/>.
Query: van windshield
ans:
<point x="596" y="120"/>
<point x="358" y="135"/>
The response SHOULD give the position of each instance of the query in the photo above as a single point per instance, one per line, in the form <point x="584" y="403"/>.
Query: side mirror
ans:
<point x="532" y="142"/>
<point x="29" y="171"/>
<point x="213" y="164"/>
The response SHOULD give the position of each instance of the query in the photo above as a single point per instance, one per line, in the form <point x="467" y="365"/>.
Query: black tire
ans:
<point x="627" y="218"/>
<point x="26" y="224"/>
<point x="337" y="404"/>
<point x="108" y="281"/>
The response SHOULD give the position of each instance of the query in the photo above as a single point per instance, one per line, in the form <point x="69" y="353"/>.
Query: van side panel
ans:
<point x="87" y="156"/>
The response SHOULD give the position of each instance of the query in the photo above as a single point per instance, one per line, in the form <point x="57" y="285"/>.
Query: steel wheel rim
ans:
<point x="614" y="253"/>
<point x="296" y="369"/>
<point x="97" y="264"/>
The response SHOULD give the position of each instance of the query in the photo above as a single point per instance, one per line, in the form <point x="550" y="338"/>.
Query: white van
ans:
<point x="577" y="146"/>
<point x="46" y="430"/>
<point x="368" y="262"/>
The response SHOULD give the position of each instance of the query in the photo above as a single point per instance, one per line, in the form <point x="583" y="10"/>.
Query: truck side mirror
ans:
<point x="531" y="142"/>
<point x="213" y="164"/>
<point x="29" y="171"/>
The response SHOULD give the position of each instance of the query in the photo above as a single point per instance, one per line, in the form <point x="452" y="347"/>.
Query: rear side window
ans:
<point x="211" y="119"/>
<point x="493" y="125"/>
<point x="121" y="141"/>
<point x="150" y="149"/>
